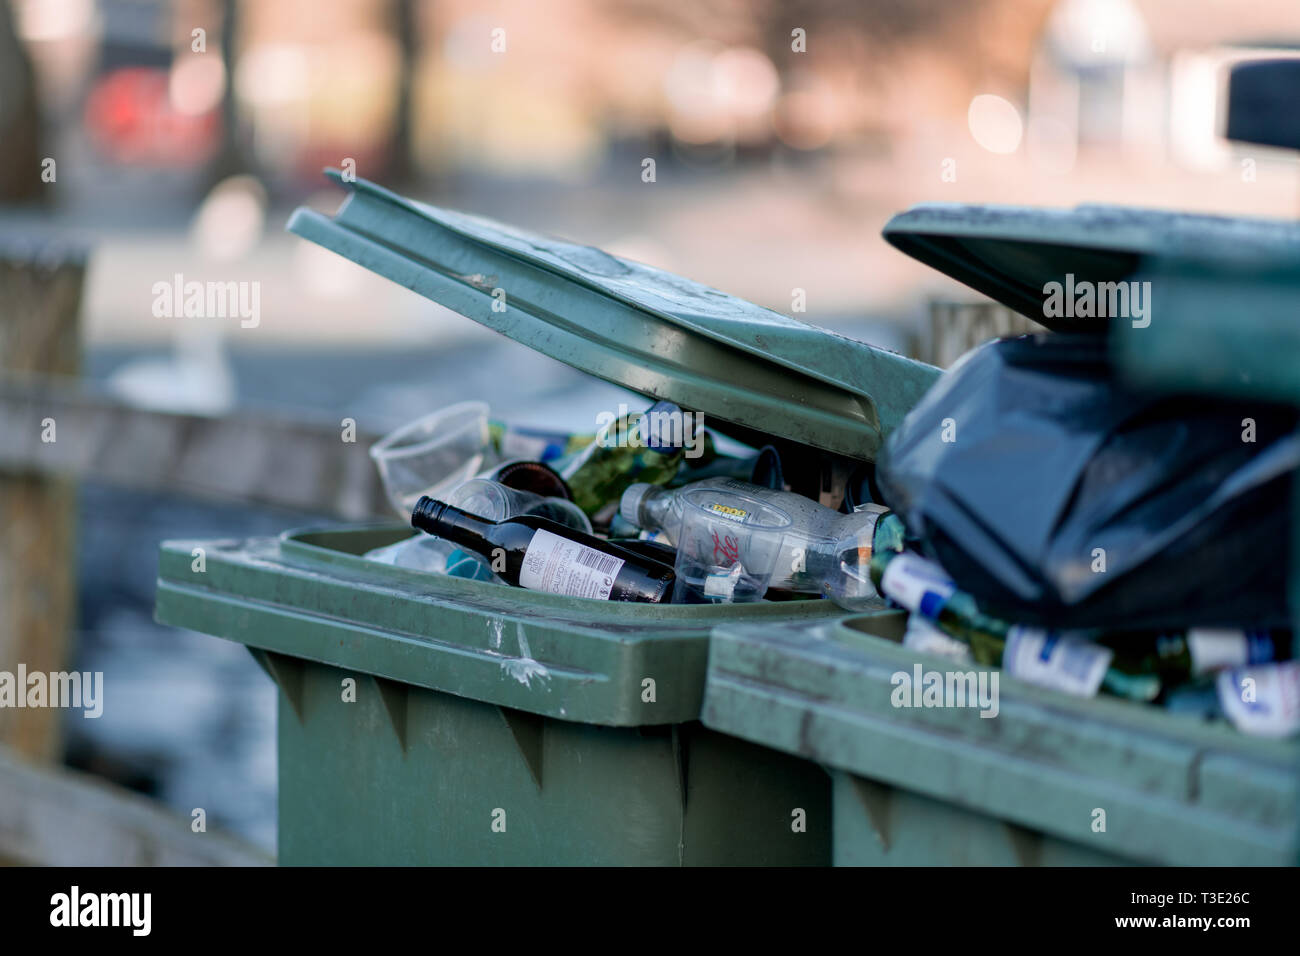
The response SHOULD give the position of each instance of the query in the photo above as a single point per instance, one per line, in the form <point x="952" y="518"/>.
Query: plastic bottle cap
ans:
<point x="629" y="506"/>
<point x="662" y="428"/>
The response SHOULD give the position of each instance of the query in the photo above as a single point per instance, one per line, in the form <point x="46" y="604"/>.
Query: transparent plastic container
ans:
<point x="434" y="454"/>
<point x="491" y="499"/>
<point x="727" y="547"/>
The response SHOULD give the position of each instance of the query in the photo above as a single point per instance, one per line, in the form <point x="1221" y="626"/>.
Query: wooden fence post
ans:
<point x="40" y="299"/>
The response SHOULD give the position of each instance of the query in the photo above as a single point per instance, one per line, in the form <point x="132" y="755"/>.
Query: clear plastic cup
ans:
<point x="727" y="547"/>
<point x="847" y="576"/>
<point x="495" y="501"/>
<point x="434" y="454"/>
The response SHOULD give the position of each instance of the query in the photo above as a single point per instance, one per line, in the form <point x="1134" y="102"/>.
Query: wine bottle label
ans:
<point x="924" y="637"/>
<point x="917" y="584"/>
<point x="1214" y="649"/>
<point x="1262" y="700"/>
<point x="1048" y="660"/>
<point x="560" y="566"/>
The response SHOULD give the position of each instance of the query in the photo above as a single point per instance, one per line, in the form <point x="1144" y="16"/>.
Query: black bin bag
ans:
<point x="1060" y="497"/>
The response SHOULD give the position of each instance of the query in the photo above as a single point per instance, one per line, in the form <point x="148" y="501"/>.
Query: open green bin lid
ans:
<point x="1010" y="252"/>
<point x="1190" y="347"/>
<point x="651" y="331"/>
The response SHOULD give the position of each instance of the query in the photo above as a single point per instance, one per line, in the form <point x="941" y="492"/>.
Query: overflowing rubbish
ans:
<point x="521" y="443"/>
<point x="1059" y="497"/>
<point x="434" y="556"/>
<point x="497" y="501"/>
<point x="727" y="546"/>
<point x="543" y="555"/>
<point x="1256" y="686"/>
<point x="809" y="549"/>
<point x="647" y="447"/>
<point x="1090" y="537"/>
<point x="633" y="480"/>
<point x="1071" y="664"/>
<point x="433" y="454"/>
<point x="984" y="552"/>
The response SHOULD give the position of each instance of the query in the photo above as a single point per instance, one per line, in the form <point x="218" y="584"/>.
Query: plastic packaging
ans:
<point x="1058" y="497"/>
<point x="647" y="446"/>
<point x="1263" y="700"/>
<point x="488" y="499"/>
<point x="727" y="546"/>
<point x="497" y="502"/>
<point x="535" y="444"/>
<point x="432" y="555"/>
<point x="845" y="576"/>
<point x="808" y="554"/>
<point x="433" y="454"/>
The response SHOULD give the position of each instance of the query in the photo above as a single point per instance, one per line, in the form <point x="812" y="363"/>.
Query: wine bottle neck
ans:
<point x="450" y="523"/>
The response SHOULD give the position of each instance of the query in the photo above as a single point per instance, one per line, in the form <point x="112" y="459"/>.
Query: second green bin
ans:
<point x="1051" y="780"/>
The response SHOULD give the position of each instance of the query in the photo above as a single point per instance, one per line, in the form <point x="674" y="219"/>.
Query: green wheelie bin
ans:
<point x="437" y="720"/>
<point x="1047" y="779"/>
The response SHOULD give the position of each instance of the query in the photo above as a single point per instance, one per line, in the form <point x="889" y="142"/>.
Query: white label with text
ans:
<point x="1048" y="660"/>
<point x="561" y="566"/>
<point x="916" y="584"/>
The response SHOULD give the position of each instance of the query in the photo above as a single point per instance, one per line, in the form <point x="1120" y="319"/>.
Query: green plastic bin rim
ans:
<point x="755" y="371"/>
<point x="864" y="631"/>
<point x="310" y="596"/>
<point x="1010" y="253"/>
<point x="1174" y="789"/>
<point x="341" y="550"/>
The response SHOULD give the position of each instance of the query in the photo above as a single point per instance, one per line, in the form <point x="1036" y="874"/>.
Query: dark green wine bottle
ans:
<point x="1180" y="657"/>
<point x="1073" y="664"/>
<point x="648" y="447"/>
<point x="542" y="555"/>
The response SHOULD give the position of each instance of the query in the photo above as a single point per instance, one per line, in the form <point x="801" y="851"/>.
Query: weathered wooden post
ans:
<point x="40" y="299"/>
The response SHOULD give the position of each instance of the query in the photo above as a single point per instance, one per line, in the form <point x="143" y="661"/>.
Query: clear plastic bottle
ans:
<point x="809" y="553"/>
